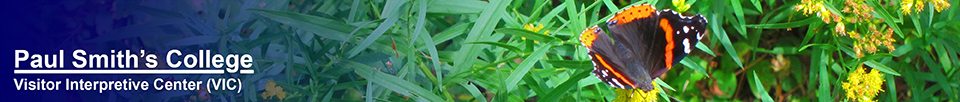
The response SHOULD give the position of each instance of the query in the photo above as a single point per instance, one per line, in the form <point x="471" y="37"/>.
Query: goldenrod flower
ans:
<point x="858" y="8"/>
<point x="940" y="4"/>
<point x="271" y="89"/>
<point x="637" y="95"/>
<point x="840" y="29"/>
<point x="870" y="40"/>
<point x="862" y="86"/>
<point x="816" y="6"/>
<point x="906" y="5"/>
<point x="888" y="35"/>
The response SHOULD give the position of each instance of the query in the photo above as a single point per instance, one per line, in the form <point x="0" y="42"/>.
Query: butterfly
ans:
<point x="643" y="44"/>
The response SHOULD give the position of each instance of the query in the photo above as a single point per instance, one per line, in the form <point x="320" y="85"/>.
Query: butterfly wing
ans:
<point x="609" y="67"/>
<point x="681" y="34"/>
<point x="635" y="28"/>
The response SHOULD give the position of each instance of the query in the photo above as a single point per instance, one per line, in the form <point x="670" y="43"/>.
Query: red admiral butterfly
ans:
<point x="647" y="44"/>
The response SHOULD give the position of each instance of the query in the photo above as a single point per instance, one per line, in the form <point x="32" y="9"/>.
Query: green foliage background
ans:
<point x="467" y="50"/>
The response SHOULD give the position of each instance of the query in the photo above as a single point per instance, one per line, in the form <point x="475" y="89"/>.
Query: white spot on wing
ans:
<point x="686" y="29"/>
<point x="699" y="35"/>
<point x="686" y="45"/>
<point x="604" y="73"/>
<point x="616" y="83"/>
<point x="704" y="19"/>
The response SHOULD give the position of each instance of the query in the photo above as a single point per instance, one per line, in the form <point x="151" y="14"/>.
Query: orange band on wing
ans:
<point x="587" y="37"/>
<point x="605" y="65"/>
<point x="634" y="12"/>
<point x="667" y="29"/>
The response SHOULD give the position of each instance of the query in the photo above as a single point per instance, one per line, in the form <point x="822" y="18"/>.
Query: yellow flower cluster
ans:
<point x="637" y="95"/>
<point x="273" y="90"/>
<point x="816" y="6"/>
<point x="858" y="8"/>
<point x="858" y="15"/>
<point x="917" y="5"/>
<point x="862" y="86"/>
<point x="872" y="39"/>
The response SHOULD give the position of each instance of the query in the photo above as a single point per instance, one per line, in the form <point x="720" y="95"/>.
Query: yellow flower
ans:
<point x="862" y="86"/>
<point x="681" y="5"/>
<point x="271" y="89"/>
<point x="637" y="95"/>
<point x="532" y="28"/>
<point x="940" y="4"/>
<point x="280" y="93"/>
<point x="870" y="41"/>
<point x="906" y="5"/>
<point x="816" y="6"/>
<point x="840" y="29"/>
<point x="859" y="8"/>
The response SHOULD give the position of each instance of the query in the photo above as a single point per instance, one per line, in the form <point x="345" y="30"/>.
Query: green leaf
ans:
<point x="891" y="88"/>
<point x="738" y="13"/>
<point x="525" y="66"/>
<point x="393" y="83"/>
<point x="665" y="96"/>
<point x="474" y="91"/>
<point x="881" y="67"/>
<point x="554" y="13"/>
<point x="610" y="6"/>
<point x="575" y="64"/>
<point x="944" y="56"/>
<point x="759" y="90"/>
<point x="488" y="20"/>
<point x="823" y="91"/>
<point x="352" y="16"/>
<point x="693" y="65"/>
<point x="705" y="49"/>
<point x="457" y="7"/>
<point x="503" y="45"/>
<point x="558" y="92"/>
<point x="725" y="41"/>
<point x="823" y="46"/>
<point x="389" y="10"/>
<point x="811" y="32"/>
<point x="664" y="84"/>
<point x="576" y="20"/>
<point x="421" y="18"/>
<point x="756" y="3"/>
<point x="528" y="34"/>
<point x="450" y="33"/>
<point x="324" y="27"/>
<point x="432" y="50"/>
<point x="785" y="25"/>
